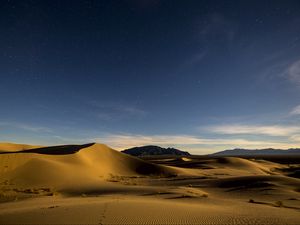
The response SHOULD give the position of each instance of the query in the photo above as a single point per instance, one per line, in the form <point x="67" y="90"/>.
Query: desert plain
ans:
<point x="94" y="184"/>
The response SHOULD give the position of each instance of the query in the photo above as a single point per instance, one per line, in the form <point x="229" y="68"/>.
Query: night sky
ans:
<point x="197" y="75"/>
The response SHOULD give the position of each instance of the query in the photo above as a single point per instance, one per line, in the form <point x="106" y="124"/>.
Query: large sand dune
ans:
<point x="95" y="184"/>
<point x="56" y="165"/>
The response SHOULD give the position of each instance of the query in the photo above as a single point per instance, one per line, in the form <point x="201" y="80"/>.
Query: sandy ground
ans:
<point x="93" y="184"/>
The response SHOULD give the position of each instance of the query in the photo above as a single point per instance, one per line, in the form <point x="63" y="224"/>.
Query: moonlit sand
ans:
<point x="94" y="184"/>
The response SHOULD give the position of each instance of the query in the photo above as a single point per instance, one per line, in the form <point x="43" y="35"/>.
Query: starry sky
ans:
<point x="198" y="75"/>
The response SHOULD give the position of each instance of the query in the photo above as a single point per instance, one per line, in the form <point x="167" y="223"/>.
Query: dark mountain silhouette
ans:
<point x="153" y="150"/>
<point x="249" y="152"/>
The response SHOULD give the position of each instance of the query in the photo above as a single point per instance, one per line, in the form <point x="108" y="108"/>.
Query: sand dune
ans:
<point x="95" y="184"/>
<point x="91" y="162"/>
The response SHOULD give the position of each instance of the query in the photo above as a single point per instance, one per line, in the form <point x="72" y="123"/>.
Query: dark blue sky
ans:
<point x="199" y="75"/>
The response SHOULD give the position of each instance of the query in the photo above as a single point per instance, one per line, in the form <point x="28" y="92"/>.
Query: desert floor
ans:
<point x="93" y="184"/>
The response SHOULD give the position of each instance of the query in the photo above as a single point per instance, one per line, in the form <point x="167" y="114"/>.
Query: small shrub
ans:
<point x="251" y="201"/>
<point x="204" y="195"/>
<point x="279" y="204"/>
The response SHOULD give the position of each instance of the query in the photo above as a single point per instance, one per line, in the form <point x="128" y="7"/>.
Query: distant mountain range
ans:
<point x="266" y="151"/>
<point x="154" y="150"/>
<point x="151" y="150"/>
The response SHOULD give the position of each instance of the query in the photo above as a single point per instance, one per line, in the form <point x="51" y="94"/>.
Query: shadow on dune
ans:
<point x="245" y="182"/>
<point x="292" y="171"/>
<point x="53" y="150"/>
<point x="275" y="204"/>
<point x="258" y="183"/>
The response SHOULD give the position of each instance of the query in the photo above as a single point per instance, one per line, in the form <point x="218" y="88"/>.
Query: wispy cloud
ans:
<point x="286" y="69"/>
<point x="115" y="111"/>
<point x="274" y="130"/>
<point x="129" y="140"/>
<point x="68" y="140"/>
<point x="295" y="111"/>
<point x="217" y="26"/>
<point x="295" y="138"/>
<point x="122" y="141"/>
<point x="27" y="127"/>
<point x="293" y="72"/>
<point x="196" y="58"/>
<point x="274" y="69"/>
